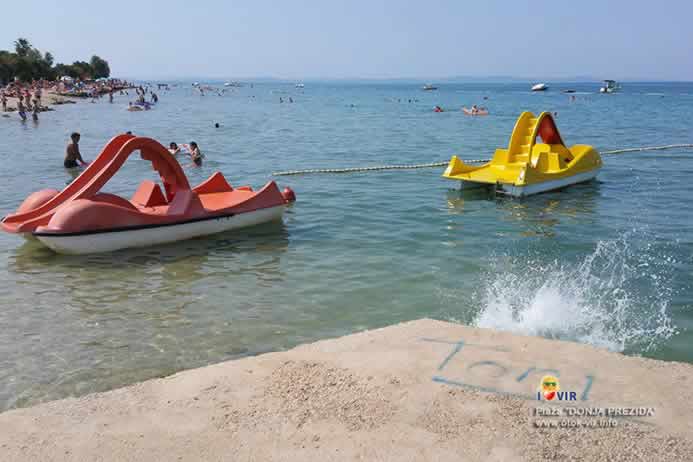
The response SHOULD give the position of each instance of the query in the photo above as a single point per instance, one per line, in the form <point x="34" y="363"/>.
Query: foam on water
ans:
<point x="617" y="297"/>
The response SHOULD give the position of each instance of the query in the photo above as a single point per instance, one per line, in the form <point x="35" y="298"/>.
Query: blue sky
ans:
<point x="302" y="39"/>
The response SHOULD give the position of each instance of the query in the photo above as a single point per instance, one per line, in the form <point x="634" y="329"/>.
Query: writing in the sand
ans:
<point x="497" y="370"/>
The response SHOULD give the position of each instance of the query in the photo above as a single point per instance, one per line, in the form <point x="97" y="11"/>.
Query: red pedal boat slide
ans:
<point x="80" y="219"/>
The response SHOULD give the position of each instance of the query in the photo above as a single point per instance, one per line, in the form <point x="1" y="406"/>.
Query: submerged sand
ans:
<point x="424" y="390"/>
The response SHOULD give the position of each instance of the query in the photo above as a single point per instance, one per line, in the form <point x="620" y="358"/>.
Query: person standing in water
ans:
<point x="195" y="154"/>
<point x="72" y="154"/>
<point x="4" y="101"/>
<point x="21" y="108"/>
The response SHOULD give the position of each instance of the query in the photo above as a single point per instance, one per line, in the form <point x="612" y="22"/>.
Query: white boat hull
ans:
<point x="98" y="242"/>
<point x="529" y="190"/>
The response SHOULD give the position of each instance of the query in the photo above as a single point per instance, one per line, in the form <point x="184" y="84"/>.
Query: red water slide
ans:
<point x="29" y="216"/>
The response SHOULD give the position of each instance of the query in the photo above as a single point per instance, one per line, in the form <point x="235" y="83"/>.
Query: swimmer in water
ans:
<point x="72" y="154"/>
<point x="173" y="148"/>
<point x="195" y="154"/>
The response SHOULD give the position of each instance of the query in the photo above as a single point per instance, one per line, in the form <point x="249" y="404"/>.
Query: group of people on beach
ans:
<point x="28" y="99"/>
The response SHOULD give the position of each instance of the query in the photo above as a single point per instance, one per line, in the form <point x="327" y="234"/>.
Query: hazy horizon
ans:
<point x="360" y="40"/>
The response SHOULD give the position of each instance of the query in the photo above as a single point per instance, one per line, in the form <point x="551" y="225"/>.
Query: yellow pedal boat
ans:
<point x="530" y="167"/>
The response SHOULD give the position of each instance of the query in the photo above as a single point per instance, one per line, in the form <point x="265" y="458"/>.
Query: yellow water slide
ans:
<point x="527" y="166"/>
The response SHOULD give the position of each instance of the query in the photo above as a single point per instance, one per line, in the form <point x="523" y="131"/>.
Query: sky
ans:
<point x="350" y="39"/>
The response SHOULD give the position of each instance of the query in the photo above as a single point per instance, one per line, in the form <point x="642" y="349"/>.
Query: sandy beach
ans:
<point x="423" y="390"/>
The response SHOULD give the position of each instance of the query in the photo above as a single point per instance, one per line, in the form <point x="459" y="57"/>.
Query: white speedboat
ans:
<point x="610" y="86"/>
<point x="429" y="87"/>
<point x="540" y="87"/>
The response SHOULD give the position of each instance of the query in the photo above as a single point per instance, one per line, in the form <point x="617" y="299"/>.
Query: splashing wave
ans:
<point x="616" y="298"/>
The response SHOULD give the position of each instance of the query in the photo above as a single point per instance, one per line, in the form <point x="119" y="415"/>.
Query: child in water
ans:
<point x="72" y="154"/>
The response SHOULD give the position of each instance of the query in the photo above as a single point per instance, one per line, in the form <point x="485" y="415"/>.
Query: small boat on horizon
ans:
<point x="540" y="87"/>
<point x="429" y="87"/>
<point x="610" y="86"/>
<point x="300" y="85"/>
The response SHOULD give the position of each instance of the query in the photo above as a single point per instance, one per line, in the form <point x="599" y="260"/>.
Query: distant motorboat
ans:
<point x="567" y="91"/>
<point x="299" y="85"/>
<point x="196" y="84"/>
<point x="540" y="87"/>
<point x="429" y="87"/>
<point x="610" y="86"/>
<point x="233" y="84"/>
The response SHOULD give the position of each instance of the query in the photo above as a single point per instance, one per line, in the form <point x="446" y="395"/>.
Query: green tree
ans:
<point x="28" y="63"/>
<point x="99" y="67"/>
<point x="8" y="66"/>
<point x="22" y="47"/>
<point x="82" y="70"/>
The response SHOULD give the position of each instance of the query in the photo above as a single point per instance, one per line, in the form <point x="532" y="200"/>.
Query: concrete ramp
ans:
<point x="420" y="391"/>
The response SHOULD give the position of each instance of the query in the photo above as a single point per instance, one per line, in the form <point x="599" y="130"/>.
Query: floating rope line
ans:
<point x="444" y="163"/>
<point x="649" y="148"/>
<point x="370" y="169"/>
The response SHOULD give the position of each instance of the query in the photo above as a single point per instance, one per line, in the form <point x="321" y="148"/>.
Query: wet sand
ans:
<point x="423" y="390"/>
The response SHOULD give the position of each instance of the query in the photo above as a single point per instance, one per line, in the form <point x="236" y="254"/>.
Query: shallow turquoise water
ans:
<point x="608" y="263"/>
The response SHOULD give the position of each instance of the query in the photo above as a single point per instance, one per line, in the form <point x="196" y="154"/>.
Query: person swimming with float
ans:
<point x="72" y="154"/>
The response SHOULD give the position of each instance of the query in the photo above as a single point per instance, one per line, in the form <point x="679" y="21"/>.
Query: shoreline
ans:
<point x="52" y="97"/>
<point x="420" y="390"/>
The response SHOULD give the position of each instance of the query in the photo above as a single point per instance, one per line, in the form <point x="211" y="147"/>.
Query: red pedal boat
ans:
<point x="80" y="219"/>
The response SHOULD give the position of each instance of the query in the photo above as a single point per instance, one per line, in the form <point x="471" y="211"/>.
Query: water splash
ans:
<point x="617" y="297"/>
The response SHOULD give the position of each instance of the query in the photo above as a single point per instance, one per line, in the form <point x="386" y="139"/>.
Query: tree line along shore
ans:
<point x="30" y="80"/>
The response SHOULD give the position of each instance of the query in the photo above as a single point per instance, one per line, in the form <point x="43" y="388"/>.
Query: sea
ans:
<point x="607" y="263"/>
